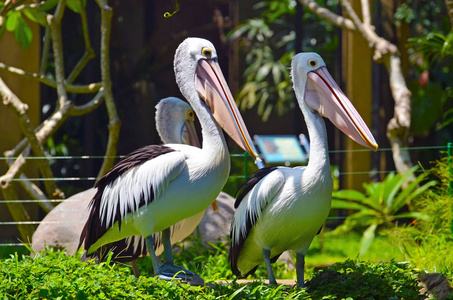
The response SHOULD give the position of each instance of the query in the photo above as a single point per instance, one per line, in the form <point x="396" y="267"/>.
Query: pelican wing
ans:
<point x="254" y="196"/>
<point x="132" y="183"/>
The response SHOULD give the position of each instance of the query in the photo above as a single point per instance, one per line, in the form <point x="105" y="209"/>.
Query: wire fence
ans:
<point x="447" y="149"/>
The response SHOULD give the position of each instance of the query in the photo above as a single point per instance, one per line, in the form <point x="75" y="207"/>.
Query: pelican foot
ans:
<point x="170" y="272"/>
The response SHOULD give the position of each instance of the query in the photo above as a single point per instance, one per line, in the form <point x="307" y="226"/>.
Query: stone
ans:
<point x="61" y="227"/>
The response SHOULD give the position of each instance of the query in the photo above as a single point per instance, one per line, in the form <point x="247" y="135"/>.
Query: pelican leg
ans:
<point x="300" y="265"/>
<point x="169" y="270"/>
<point x="267" y="262"/>
<point x="149" y="240"/>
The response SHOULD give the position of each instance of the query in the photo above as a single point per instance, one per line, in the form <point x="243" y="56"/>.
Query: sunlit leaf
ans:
<point x="12" y="20"/>
<point x="23" y="34"/>
<point x="74" y="5"/>
<point x="49" y="4"/>
<point x="367" y="239"/>
<point x="35" y="16"/>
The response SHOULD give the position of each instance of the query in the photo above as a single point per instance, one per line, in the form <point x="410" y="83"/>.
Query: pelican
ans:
<point x="175" y="125"/>
<point x="282" y="208"/>
<point x="159" y="185"/>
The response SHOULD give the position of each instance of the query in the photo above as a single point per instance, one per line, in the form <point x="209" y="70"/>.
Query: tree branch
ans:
<point x="12" y="101"/>
<point x="18" y="213"/>
<point x="89" y="52"/>
<point x="114" y="121"/>
<point x="70" y="88"/>
<point x="88" y="107"/>
<point x="326" y="14"/>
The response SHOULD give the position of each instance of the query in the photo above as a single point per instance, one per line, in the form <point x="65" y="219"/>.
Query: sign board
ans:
<point x="280" y="149"/>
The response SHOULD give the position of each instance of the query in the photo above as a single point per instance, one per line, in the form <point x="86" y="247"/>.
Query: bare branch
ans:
<point x="89" y="52"/>
<point x="88" y="107"/>
<point x="70" y="88"/>
<point x="55" y="29"/>
<point x="18" y="213"/>
<point x="11" y="100"/>
<point x="366" y="13"/>
<point x="35" y="192"/>
<point x="45" y="52"/>
<point x="326" y="14"/>
<point x="381" y="46"/>
<point x="114" y="121"/>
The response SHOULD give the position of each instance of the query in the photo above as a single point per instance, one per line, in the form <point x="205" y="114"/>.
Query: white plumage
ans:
<point x="157" y="186"/>
<point x="281" y="208"/>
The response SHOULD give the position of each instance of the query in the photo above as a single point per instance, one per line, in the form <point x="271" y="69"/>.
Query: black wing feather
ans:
<point x="93" y="228"/>
<point x="243" y="190"/>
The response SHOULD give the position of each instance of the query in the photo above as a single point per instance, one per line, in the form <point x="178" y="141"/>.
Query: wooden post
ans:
<point x="28" y="91"/>
<point x="357" y="59"/>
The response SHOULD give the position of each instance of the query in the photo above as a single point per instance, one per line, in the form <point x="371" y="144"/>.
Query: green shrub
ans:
<point x="428" y="242"/>
<point x="382" y="204"/>
<point x="365" y="280"/>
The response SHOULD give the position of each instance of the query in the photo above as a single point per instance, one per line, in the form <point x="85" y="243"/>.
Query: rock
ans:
<point x="435" y="284"/>
<point x="62" y="226"/>
<point x="215" y="225"/>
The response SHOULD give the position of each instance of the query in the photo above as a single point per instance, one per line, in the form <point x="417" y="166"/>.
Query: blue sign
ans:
<point x="280" y="148"/>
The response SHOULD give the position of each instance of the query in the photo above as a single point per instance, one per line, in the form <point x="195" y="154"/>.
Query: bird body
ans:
<point x="174" y="178"/>
<point x="157" y="186"/>
<point x="281" y="208"/>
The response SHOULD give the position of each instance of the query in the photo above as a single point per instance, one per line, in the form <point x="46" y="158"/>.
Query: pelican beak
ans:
<point x="189" y="134"/>
<point x="213" y="89"/>
<point x="323" y="95"/>
<point x="214" y="206"/>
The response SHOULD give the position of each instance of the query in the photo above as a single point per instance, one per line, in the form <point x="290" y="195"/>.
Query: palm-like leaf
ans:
<point x="381" y="204"/>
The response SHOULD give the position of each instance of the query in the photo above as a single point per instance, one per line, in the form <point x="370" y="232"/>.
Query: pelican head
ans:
<point x="175" y="122"/>
<point x="317" y="89"/>
<point x="196" y="59"/>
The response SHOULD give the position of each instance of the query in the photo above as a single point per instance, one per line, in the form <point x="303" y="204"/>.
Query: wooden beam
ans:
<point x="357" y="63"/>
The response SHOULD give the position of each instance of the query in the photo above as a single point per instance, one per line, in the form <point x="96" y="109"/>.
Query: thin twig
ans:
<point x="89" y="52"/>
<point x="70" y="88"/>
<point x="328" y="15"/>
<point x="114" y="121"/>
<point x="20" y="108"/>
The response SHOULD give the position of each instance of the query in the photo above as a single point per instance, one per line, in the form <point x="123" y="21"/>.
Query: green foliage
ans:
<point x="428" y="115"/>
<point x="381" y="205"/>
<point x="434" y="45"/>
<point x="53" y="275"/>
<point x="365" y="280"/>
<point x="428" y="242"/>
<point x="268" y="41"/>
<point x="15" y="20"/>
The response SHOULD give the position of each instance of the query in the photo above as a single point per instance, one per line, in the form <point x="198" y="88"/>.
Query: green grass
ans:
<point x="52" y="275"/>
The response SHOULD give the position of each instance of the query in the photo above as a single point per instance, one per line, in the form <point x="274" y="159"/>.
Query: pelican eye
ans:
<point x="206" y="52"/>
<point x="313" y="63"/>
<point x="190" y="115"/>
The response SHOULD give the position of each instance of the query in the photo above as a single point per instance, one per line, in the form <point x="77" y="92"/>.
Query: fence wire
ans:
<point x="448" y="149"/>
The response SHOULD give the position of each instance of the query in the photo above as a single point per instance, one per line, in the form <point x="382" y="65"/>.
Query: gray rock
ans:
<point x="61" y="228"/>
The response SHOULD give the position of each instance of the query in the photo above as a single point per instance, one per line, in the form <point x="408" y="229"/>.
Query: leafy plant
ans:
<point x="268" y="41"/>
<point x="365" y="280"/>
<point x="381" y="205"/>
<point x="428" y="242"/>
<point x="15" y="20"/>
<point x="434" y="45"/>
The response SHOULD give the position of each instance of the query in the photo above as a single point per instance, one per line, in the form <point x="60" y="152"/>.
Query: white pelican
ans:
<point x="160" y="185"/>
<point x="281" y="208"/>
<point x="175" y="125"/>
